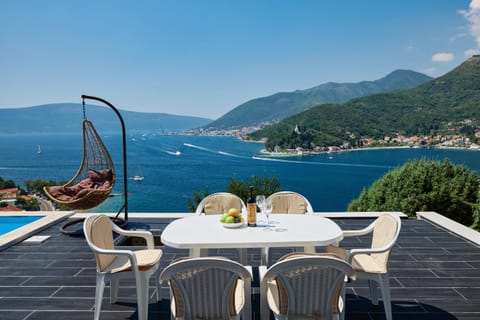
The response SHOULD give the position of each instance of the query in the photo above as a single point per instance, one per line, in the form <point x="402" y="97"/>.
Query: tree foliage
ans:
<point x="423" y="185"/>
<point x="32" y="205"/>
<point x="38" y="184"/>
<point x="261" y="185"/>
<point x="6" y="184"/>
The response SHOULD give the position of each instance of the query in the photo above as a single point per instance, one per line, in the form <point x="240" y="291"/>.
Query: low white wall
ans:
<point x="455" y="227"/>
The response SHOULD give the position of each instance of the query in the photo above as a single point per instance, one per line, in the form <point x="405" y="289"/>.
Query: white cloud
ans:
<point x="473" y="16"/>
<point x="471" y="52"/>
<point x="442" y="56"/>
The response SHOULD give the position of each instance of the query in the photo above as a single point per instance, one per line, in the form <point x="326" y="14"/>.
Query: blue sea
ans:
<point x="330" y="181"/>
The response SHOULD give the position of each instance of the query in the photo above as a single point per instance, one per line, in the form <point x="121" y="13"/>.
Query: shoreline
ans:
<point x="313" y="153"/>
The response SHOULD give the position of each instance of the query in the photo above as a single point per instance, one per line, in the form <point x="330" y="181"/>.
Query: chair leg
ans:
<point x="264" y="256"/>
<point x="157" y="284"/>
<point x="114" y="284"/>
<point x="387" y="303"/>
<point x="264" y="308"/>
<point x="142" y="295"/>
<point x="242" y="256"/>
<point x="99" y="295"/>
<point x="372" y="285"/>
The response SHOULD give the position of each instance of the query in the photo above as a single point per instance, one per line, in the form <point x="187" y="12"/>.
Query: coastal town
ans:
<point x="451" y="140"/>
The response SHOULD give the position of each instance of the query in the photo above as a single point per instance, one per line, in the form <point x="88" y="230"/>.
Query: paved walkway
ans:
<point x="434" y="275"/>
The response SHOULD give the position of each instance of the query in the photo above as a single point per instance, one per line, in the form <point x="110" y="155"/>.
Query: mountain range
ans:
<point x="444" y="105"/>
<point x="284" y="104"/>
<point x="67" y="118"/>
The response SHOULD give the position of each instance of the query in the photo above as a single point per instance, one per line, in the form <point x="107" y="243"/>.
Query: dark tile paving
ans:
<point x="434" y="275"/>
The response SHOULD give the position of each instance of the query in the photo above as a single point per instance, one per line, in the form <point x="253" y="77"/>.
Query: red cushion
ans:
<point x="101" y="175"/>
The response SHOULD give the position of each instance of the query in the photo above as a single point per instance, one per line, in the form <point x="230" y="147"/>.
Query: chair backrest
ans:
<point x="99" y="235"/>
<point x="385" y="234"/>
<point x="219" y="203"/>
<point x="307" y="286"/>
<point x="290" y="202"/>
<point x="207" y="288"/>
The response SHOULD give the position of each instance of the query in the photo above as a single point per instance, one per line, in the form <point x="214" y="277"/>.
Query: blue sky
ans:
<point x="204" y="58"/>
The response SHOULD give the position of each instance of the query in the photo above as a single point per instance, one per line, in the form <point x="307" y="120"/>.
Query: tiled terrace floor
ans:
<point x="434" y="275"/>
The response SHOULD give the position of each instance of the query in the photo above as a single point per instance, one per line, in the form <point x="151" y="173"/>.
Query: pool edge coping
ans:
<point x="18" y="235"/>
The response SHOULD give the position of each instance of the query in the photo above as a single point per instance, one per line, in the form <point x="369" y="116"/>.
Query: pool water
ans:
<point x="10" y="223"/>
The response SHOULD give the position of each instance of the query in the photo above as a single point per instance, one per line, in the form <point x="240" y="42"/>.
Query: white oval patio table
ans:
<point x="289" y="230"/>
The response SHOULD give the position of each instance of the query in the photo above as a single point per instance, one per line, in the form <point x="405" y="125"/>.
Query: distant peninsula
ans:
<point x="67" y="118"/>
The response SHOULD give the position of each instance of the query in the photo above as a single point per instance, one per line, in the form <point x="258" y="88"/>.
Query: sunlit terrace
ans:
<point x="434" y="271"/>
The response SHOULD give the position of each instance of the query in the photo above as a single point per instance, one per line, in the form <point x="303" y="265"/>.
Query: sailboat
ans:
<point x="138" y="176"/>
<point x="39" y="150"/>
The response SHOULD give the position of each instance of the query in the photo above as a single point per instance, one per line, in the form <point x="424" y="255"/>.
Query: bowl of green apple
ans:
<point x="232" y="219"/>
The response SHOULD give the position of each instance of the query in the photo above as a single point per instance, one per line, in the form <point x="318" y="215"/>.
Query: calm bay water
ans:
<point x="329" y="181"/>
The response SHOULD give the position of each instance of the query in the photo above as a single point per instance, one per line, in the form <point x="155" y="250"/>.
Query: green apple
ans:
<point x="230" y="219"/>
<point x="224" y="216"/>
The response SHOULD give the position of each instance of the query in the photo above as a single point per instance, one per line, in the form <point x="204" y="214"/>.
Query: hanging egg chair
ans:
<point x="93" y="182"/>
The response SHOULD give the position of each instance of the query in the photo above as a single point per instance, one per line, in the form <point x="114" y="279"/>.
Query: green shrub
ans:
<point x="476" y="214"/>
<point x="423" y="185"/>
<point x="261" y="185"/>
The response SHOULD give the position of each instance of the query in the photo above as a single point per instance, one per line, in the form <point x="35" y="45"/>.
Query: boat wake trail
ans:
<point x="173" y="153"/>
<point x="231" y="155"/>
<point x="198" y="147"/>
<point x="223" y="153"/>
<point x="323" y="163"/>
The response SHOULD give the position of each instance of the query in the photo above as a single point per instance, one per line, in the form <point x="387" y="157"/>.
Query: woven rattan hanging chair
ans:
<point x="93" y="182"/>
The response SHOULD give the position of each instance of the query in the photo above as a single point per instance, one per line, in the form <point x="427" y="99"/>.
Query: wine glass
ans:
<point x="260" y="200"/>
<point x="267" y="209"/>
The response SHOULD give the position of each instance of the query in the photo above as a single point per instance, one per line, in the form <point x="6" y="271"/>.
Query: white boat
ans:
<point x="177" y="153"/>
<point x="137" y="178"/>
<point x="39" y="150"/>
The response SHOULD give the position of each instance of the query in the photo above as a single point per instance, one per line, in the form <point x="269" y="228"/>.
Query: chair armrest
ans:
<point x="147" y="235"/>
<point x="360" y="232"/>
<point x="369" y="251"/>
<point x="129" y="253"/>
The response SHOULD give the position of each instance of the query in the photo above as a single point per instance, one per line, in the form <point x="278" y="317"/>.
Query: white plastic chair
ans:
<point x="208" y="288"/>
<point x="113" y="264"/>
<point x="219" y="203"/>
<point x="310" y="286"/>
<point x="371" y="263"/>
<point x="288" y="202"/>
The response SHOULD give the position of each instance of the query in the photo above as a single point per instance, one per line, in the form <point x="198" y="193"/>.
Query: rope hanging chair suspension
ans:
<point x="93" y="182"/>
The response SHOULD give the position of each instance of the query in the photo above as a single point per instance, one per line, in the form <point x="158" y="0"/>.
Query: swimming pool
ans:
<point x="10" y="223"/>
<point x="16" y="227"/>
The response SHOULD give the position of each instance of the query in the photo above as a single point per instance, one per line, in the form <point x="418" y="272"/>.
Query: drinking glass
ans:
<point x="267" y="209"/>
<point x="260" y="200"/>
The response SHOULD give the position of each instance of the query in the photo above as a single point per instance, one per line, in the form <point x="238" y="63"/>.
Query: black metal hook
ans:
<point x="124" y="142"/>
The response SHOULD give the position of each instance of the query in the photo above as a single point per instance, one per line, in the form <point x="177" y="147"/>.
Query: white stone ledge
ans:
<point x="340" y="215"/>
<point x="449" y="224"/>
<point x="154" y="215"/>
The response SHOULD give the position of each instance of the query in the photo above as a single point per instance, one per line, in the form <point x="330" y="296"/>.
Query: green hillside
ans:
<point x="431" y="108"/>
<point x="284" y="104"/>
